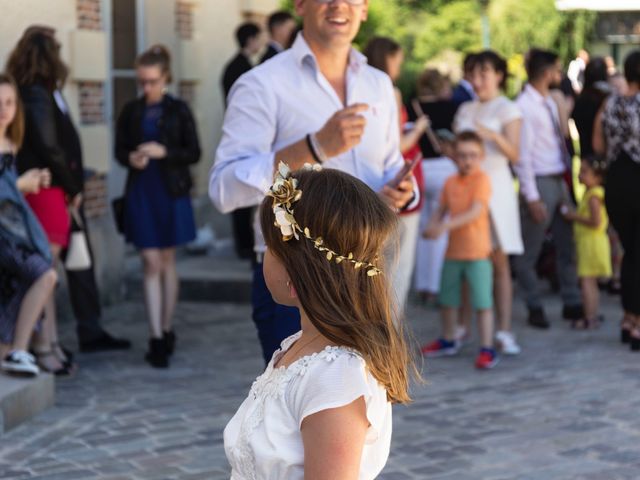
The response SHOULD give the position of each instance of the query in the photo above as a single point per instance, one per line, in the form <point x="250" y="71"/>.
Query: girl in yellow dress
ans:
<point x="592" y="243"/>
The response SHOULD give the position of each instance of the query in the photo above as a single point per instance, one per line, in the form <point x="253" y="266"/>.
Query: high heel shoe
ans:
<point x="625" y="330"/>
<point x="63" y="371"/>
<point x="157" y="355"/>
<point x="67" y="361"/>
<point x="169" y="339"/>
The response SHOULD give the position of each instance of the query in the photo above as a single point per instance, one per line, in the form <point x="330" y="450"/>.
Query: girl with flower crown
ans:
<point x="322" y="408"/>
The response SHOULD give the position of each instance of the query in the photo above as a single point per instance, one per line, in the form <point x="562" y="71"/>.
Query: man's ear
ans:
<point x="365" y="11"/>
<point x="299" y="7"/>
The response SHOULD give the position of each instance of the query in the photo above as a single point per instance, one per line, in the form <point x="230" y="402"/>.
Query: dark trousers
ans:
<point x="242" y="222"/>
<point x="85" y="298"/>
<point x="274" y="322"/>
<point x="623" y="205"/>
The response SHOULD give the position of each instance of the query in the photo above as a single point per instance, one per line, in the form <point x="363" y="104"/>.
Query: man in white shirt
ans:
<point x="544" y="163"/>
<point x="316" y="102"/>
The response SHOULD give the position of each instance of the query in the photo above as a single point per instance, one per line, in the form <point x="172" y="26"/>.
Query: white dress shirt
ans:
<point x="278" y="103"/>
<point x="541" y="152"/>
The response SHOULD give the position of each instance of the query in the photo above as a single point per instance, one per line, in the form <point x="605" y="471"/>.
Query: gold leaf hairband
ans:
<point x="285" y="193"/>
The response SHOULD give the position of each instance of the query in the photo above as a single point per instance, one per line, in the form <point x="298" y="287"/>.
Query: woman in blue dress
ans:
<point x="156" y="139"/>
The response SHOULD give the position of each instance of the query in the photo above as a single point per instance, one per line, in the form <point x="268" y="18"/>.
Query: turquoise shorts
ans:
<point x="478" y="275"/>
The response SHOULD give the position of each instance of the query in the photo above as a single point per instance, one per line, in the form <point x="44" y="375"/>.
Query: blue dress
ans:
<point x="152" y="217"/>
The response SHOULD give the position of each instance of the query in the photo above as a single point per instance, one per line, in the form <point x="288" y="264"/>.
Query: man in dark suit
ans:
<point x="281" y="25"/>
<point x="248" y="36"/>
<point x="464" y="90"/>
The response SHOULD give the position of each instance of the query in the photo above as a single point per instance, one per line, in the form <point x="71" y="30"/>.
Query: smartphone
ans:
<point x="405" y="171"/>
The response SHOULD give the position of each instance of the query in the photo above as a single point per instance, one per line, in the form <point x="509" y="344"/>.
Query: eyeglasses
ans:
<point x="151" y="81"/>
<point x="354" y="3"/>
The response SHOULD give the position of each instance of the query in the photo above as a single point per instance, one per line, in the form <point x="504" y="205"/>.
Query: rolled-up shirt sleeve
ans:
<point x="244" y="161"/>
<point x="524" y="168"/>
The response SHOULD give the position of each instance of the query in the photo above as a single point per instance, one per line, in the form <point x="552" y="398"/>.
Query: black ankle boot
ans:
<point x="634" y="343"/>
<point x="157" y="355"/>
<point x="169" y="339"/>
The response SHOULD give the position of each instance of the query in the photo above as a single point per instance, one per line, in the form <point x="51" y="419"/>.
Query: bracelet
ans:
<point x="311" y="149"/>
<point x="318" y="153"/>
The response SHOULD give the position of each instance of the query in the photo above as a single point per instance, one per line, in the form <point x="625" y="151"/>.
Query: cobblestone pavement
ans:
<point x="567" y="408"/>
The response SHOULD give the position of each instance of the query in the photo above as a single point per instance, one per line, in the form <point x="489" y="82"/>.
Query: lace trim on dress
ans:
<point x="272" y="384"/>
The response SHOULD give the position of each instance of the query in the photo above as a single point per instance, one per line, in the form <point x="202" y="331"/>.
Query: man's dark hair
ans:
<point x="469" y="62"/>
<point x="594" y="72"/>
<point x="278" y="18"/>
<point x="538" y="62"/>
<point x="246" y="32"/>
<point x="632" y="67"/>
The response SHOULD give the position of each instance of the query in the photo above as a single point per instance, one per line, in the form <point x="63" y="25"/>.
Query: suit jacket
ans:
<point x="238" y="66"/>
<point x="461" y="95"/>
<point x="271" y="52"/>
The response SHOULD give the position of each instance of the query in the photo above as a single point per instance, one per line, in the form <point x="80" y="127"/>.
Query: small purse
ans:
<point x="117" y="208"/>
<point x="78" y="257"/>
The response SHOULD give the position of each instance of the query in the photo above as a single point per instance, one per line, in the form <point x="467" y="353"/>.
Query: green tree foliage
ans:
<point x="429" y="30"/>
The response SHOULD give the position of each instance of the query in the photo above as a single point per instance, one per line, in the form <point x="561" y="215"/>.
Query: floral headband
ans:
<point x="285" y="193"/>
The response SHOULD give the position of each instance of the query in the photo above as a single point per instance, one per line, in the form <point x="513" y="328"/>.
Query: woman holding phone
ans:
<point x="156" y="139"/>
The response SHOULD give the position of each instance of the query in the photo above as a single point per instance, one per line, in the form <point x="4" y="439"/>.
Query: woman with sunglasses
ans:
<point x="156" y="139"/>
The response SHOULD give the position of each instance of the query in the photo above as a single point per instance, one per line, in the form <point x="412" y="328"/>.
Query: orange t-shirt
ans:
<point x="473" y="240"/>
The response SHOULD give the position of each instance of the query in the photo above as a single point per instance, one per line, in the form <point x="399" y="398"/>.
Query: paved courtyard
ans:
<point x="567" y="408"/>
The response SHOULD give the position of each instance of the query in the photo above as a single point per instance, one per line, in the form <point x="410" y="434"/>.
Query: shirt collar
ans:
<point x="301" y="51"/>
<point x="535" y="94"/>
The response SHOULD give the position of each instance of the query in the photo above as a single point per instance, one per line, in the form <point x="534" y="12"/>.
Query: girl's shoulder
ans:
<point x="597" y="191"/>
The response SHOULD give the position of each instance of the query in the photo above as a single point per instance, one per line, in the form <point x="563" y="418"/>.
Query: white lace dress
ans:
<point x="263" y="439"/>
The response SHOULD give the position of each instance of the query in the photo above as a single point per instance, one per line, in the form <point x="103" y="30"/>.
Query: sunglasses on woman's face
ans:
<point x="354" y="3"/>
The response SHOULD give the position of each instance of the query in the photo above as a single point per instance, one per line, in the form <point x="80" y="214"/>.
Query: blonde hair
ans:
<point x="346" y="305"/>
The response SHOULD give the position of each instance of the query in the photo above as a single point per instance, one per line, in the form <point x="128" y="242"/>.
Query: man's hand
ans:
<point x="138" y="160"/>
<point x="153" y="150"/>
<point x="29" y="181"/>
<point x="538" y="211"/>
<point x="343" y="130"/>
<point x="399" y="196"/>
<point x="433" y="230"/>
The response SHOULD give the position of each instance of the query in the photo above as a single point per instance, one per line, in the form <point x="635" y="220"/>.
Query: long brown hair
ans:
<point x="15" y="131"/>
<point x="156" y="56"/>
<point x="346" y="305"/>
<point x="378" y="51"/>
<point x="36" y="59"/>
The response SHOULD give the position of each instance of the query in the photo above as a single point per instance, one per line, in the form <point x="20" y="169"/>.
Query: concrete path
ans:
<point x="567" y="408"/>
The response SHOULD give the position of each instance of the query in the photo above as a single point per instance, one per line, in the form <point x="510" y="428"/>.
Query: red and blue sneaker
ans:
<point x="440" y="348"/>
<point x="486" y="359"/>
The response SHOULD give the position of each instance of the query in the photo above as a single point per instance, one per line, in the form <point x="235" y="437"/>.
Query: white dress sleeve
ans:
<point x="508" y="111"/>
<point x="338" y="379"/>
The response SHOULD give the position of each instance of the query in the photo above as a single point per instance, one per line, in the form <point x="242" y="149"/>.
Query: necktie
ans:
<point x="566" y="156"/>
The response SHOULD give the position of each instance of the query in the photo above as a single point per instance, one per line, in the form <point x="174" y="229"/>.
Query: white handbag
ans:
<point x="78" y="257"/>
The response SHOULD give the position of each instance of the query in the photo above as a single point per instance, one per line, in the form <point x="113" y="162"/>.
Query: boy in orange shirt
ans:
<point x="465" y="198"/>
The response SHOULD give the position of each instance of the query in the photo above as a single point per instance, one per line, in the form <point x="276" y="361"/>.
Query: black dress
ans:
<point x="584" y="113"/>
<point x="441" y="114"/>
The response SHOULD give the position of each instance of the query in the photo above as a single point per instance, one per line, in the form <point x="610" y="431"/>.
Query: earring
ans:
<point x="288" y="283"/>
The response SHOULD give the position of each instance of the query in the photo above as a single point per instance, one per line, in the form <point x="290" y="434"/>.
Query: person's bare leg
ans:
<point x="485" y="327"/>
<point x="590" y="298"/>
<point x="170" y="287"/>
<point x="48" y="334"/>
<point x="502" y="290"/>
<point x="152" y="265"/>
<point x="449" y="323"/>
<point x="465" y="311"/>
<point x="31" y="307"/>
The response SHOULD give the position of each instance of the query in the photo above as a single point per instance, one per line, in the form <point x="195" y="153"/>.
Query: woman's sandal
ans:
<point x="585" y="323"/>
<point x="634" y="338"/>
<point x="68" y="360"/>
<point x="63" y="371"/>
